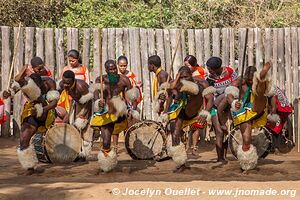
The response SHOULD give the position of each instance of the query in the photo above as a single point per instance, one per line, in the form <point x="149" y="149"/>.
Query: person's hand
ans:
<point x="6" y="94"/>
<point x="202" y="120"/>
<point x="162" y="97"/>
<point x="33" y="111"/>
<point x="101" y="105"/>
<point x="238" y="105"/>
<point x="139" y="84"/>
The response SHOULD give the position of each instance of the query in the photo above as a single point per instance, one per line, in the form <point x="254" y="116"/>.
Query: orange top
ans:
<point x="199" y="72"/>
<point x="131" y="77"/>
<point x="80" y="72"/>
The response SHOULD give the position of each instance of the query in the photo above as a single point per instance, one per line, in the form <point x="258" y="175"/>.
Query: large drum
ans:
<point x="146" y="140"/>
<point x="261" y="139"/>
<point x="61" y="144"/>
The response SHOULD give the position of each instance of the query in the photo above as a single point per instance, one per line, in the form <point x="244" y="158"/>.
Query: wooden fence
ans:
<point x="280" y="45"/>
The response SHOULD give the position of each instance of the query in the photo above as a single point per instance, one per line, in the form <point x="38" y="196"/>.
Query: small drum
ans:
<point x="261" y="139"/>
<point x="146" y="140"/>
<point x="63" y="143"/>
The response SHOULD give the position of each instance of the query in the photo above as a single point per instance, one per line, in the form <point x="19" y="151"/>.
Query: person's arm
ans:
<point x="52" y="96"/>
<point x="87" y="75"/>
<point x="22" y="74"/>
<point x="85" y="99"/>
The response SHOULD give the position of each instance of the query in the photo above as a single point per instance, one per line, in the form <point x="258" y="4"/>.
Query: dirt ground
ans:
<point x="137" y="177"/>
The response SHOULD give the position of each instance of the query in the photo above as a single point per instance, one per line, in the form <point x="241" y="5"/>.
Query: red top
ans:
<point x="199" y="72"/>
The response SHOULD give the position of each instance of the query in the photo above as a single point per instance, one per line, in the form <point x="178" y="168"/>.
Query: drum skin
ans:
<point x="146" y="140"/>
<point x="63" y="143"/>
<point x="261" y="139"/>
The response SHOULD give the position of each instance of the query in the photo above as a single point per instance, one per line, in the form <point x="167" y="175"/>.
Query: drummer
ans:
<point x="111" y="110"/>
<point x="250" y="112"/>
<point x="81" y="109"/>
<point x="37" y="115"/>
<point x="188" y="94"/>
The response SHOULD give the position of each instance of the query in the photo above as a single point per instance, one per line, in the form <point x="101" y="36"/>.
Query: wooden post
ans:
<point x="275" y="56"/>
<point x="111" y="43"/>
<point x="281" y="70"/>
<point x="147" y="107"/>
<point x="40" y="42"/>
<point x="104" y="47"/>
<point x="225" y="46"/>
<point x="216" y="41"/>
<point x="126" y="45"/>
<point x="135" y="57"/>
<point x="49" y="50"/>
<point x="5" y="68"/>
<point x="119" y="42"/>
<point x="191" y="41"/>
<point x="18" y="97"/>
<point x="207" y="49"/>
<point x="96" y="51"/>
<point x="159" y="38"/>
<point x="86" y="48"/>
<point x="167" y="49"/>
<point x="199" y="39"/>
<point x="29" y="35"/>
<point x="60" y="54"/>
<point x="72" y="39"/>
<point x="176" y="51"/>
<point x="258" y="49"/>
<point x="231" y="48"/>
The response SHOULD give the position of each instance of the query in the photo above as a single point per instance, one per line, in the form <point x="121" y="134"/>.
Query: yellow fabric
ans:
<point x="249" y="114"/>
<point x="174" y="114"/>
<point x="49" y="120"/>
<point x="64" y="101"/>
<point x="155" y="84"/>
<point x="107" y="118"/>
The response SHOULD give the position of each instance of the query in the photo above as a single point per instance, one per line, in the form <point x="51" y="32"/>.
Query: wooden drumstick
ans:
<point x="13" y="62"/>
<point x="173" y="57"/>
<point x="243" y="64"/>
<point x="101" y="72"/>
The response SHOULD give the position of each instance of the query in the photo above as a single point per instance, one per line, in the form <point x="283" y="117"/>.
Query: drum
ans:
<point x="261" y="139"/>
<point x="63" y="143"/>
<point x="146" y="140"/>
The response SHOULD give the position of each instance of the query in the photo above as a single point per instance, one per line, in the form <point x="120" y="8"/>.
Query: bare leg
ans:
<point x="195" y="138"/>
<point x="106" y="132"/>
<point x="219" y="139"/>
<point x="115" y="138"/>
<point x="246" y="130"/>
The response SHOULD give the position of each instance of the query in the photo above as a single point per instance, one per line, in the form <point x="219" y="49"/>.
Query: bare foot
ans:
<point x="265" y="70"/>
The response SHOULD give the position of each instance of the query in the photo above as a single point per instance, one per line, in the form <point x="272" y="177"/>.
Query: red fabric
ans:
<point x="131" y="77"/>
<point x="199" y="72"/>
<point x="2" y="112"/>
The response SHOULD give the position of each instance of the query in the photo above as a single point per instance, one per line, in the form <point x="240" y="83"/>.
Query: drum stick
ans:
<point x="173" y="57"/>
<point x="243" y="64"/>
<point x="100" y="58"/>
<point x="13" y="62"/>
<point x="234" y="137"/>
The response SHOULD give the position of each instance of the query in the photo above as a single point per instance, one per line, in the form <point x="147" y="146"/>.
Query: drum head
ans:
<point x="261" y="139"/>
<point x="63" y="143"/>
<point x="145" y="140"/>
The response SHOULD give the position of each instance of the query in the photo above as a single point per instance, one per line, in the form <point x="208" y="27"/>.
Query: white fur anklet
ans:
<point x="248" y="159"/>
<point x="107" y="162"/>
